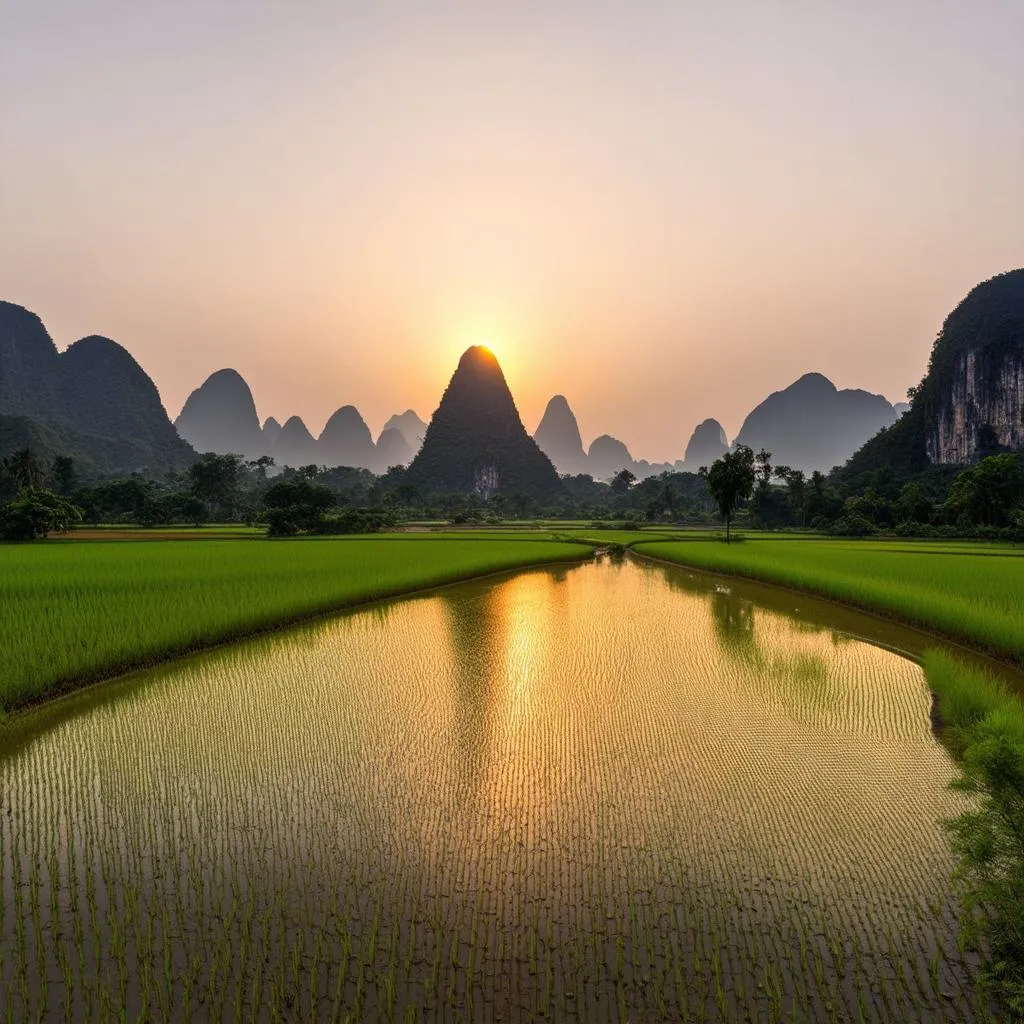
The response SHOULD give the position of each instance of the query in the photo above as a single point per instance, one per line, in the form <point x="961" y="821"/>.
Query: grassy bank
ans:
<point x="972" y="594"/>
<point x="969" y="594"/>
<point x="983" y="723"/>
<point x="74" y="613"/>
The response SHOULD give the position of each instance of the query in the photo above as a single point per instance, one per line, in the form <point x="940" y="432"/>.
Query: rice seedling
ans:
<point x="490" y="799"/>
<point x="967" y="594"/>
<point x="73" y="613"/>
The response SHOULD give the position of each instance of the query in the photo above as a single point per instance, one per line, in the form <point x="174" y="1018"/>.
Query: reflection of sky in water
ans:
<point x="591" y="752"/>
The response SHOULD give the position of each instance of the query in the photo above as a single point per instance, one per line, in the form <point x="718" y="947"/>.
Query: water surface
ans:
<point x="617" y="790"/>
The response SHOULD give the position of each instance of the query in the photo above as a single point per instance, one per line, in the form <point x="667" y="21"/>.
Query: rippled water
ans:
<point x="612" y="791"/>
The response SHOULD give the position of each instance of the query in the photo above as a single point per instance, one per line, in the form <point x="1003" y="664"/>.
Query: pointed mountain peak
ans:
<point x="707" y="443"/>
<point x="558" y="435"/>
<point x="295" y="425"/>
<point x="220" y="416"/>
<point x="411" y="426"/>
<point x="346" y="441"/>
<point x="347" y="418"/>
<point x="476" y="440"/>
<point x="809" y="381"/>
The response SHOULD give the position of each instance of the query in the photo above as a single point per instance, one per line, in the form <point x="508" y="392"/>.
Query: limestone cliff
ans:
<point x="974" y="392"/>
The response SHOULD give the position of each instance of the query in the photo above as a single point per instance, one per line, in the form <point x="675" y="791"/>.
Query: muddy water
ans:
<point x="613" y="791"/>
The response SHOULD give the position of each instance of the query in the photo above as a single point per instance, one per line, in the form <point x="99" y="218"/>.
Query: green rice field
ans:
<point x="605" y="791"/>
<point x="74" y="612"/>
<point x="972" y="593"/>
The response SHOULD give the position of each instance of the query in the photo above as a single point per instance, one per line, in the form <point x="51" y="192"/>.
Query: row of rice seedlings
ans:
<point x="77" y="612"/>
<point x="971" y="597"/>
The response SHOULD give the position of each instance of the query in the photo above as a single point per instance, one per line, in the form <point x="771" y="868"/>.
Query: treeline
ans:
<point x="38" y="499"/>
<point x="985" y="500"/>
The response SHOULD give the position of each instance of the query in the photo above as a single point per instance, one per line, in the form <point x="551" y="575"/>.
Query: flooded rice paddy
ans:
<point x="608" y="792"/>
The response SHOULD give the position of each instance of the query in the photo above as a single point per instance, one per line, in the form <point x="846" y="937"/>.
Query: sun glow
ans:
<point x="486" y="336"/>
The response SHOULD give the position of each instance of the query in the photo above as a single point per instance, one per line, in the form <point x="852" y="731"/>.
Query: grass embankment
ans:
<point x="983" y="723"/>
<point x="973" y="596"/>
<point x="75" y="613"/>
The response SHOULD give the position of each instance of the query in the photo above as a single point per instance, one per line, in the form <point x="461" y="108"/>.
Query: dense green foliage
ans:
<point x="984" y="724"/>
<point x="969" y="596"/>
<point x="36" y="513"/>
<point x="75" y="612"/>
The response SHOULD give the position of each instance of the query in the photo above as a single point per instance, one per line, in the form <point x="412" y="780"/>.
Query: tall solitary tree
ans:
<point x="730" y="480"/>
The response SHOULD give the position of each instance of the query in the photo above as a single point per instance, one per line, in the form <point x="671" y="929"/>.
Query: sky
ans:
<point x="663" y="211"/>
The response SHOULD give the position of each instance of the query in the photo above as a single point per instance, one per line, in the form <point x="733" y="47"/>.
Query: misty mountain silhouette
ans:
<point x="92" y="401"/>
<point x="392" y="449"/>
<point x="558" y="437"/>
<point x="812" y="425"/>
<point x="476" y="441"/>
<point x="346" y="441"/>
<point x="271" y="432"/>
<point x="707" y="443"/>
<point x="412" y="427"/>
<point x="608" y="455"/>
<point x="295" y="445"/>
<point x="220" y="416"/>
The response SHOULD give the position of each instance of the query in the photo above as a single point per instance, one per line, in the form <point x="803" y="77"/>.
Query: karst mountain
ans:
<point x="971" y="401"/>
<point x="93" y="402"/>
<point x="476" y="441"/>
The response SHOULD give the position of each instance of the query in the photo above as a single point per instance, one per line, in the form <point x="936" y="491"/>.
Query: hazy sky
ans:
<point x="662" y="210"/>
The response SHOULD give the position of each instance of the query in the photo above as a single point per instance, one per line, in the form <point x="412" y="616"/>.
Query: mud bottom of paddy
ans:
<point x="607" y="792"/>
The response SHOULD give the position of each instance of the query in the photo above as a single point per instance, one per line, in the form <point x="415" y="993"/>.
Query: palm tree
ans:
<point x="24" y="469"/>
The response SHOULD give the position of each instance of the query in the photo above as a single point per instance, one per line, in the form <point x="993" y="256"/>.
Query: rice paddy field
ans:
<point x="71" y="613"/>
<point x="608" y="791"/>
<point x="973" y="593"/>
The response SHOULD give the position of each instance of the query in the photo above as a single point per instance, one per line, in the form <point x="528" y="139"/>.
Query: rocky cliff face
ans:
<point x="973" y="396"/>
<point x="982" y="411"/>
<point x="971" y="401"/>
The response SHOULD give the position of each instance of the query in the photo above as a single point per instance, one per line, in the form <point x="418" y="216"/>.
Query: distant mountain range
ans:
<point x="95" y="403"/>
<point x="809" y="425"/>
<point x="220" y="416"/>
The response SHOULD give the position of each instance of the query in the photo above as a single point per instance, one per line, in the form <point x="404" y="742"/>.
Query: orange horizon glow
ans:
<point x="662" y="211"/>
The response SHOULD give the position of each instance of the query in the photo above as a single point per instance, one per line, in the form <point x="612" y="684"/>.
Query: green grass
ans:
<point x="972" y="594"/>
<point x="983" y="722"/>
<point x="73" y="613"/>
